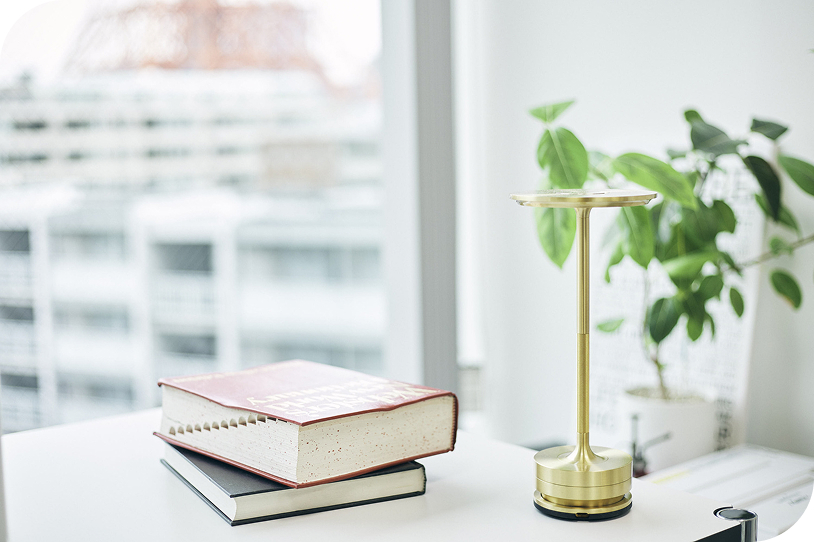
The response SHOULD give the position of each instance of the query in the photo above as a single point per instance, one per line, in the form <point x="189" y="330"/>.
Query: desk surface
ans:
<point x="102" y="480"/>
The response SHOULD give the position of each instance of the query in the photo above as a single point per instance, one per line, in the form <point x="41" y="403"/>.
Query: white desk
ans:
<point x="102" y="480"/>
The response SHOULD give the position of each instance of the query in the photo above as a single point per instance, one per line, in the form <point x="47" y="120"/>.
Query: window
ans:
<point x="25" y="382"/>
<point x="20" y="401"/>
<point x="16" y="313"/>
<point x="15" y="241"/>
<point x="138" y="174"/>
<point x="105" y="320"/>
<point x="23" y="125"/>
<point x="168" y="187"/>
<point x="319" y="264"/>
<point x="360" y="356"/>
<point x="188" y="345"/>
<point x="185" y="258"/>
<point x="306" y="263"/>
<point x="66" y="244"/>
<point x="78" y="393"/>
<point x="365" y="265"/>
<point x="74" y="387"/>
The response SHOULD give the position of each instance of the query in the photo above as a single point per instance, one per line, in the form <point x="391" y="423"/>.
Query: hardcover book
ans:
<point x="301" y="423"/>
<point x="241" y="497"/>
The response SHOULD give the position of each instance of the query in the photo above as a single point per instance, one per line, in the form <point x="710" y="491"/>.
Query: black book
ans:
<point x="240" y="496"/>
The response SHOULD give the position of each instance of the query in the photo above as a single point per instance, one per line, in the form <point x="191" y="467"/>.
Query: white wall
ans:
<point x="633" y="66"/>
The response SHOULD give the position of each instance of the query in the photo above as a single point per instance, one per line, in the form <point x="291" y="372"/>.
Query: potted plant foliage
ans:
<point x="678" y="233"/>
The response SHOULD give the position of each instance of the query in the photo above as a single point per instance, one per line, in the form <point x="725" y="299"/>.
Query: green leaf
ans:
<point x="548" y="113"/>
<point x="565" y="157"/>
<point x="801" y="172"/>
<point x="701" y="225"/>
<point x="711" y="324"/>
<point x="663" y="317"/>
<point x="616" y="257"/>
<point x="779" y="246"/>
<point x="763" y="204"/>
<point x="736" y="299"/>
<point x="656" y="175"/>
<point x="691" y="176"/>
<point x="772" y="130"/>
<point x="726" y="216"/>
<point x="689" y="265"/>
<point x="600" y="166"/>
<point x="673" y="154"/>
<point x="708" y="138"/>
<point x="711" y="286"/>
<point x="678" y="243"/>
<point x="556" y="229"/>
<point x="639" y="239"/>
<point x="694" y="305"/>
<point x="787" y="219"/>
<point x="609" y="326"/>
<point x="769" y="183"/>
<point x="542" y="150"/>
<point x="691" y="115"/>
<point x="786" y="285"/>
<point x="694" y="328"/>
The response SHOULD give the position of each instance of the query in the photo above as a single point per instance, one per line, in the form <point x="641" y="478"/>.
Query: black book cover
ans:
<point x="237" y="483"/>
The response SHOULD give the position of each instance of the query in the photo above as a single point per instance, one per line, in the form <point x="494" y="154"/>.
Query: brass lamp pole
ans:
<point x="578" y="482"/>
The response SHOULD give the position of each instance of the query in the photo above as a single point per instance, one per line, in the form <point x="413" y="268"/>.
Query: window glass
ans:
<point x="185" y="187"/>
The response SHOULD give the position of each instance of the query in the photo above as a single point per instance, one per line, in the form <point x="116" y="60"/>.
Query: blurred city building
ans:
<point x="194" y="195"/>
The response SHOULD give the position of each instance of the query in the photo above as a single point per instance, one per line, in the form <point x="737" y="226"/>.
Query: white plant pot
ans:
<point x="689" y="419"/>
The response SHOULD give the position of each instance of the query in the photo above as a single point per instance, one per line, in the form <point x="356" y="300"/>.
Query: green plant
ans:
<point x="680" y="232"/>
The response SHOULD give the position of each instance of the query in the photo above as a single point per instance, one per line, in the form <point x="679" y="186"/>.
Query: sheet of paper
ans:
<point x="776" y="485"/>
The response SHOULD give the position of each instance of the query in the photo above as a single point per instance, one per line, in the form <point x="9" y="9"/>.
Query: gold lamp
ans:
<point x="579" y="482"/>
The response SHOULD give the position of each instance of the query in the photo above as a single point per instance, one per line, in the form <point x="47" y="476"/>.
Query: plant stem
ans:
<point x="660" y="371"/>
<point x="770" y="255"/>
<point x="651" y="353"/>
<point x="645" y="323"/>
<point x="703" y="178"/>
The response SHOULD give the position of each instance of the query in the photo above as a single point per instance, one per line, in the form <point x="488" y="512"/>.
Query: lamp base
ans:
<point x="581" y="483"/>
<point x="581" y="513"/>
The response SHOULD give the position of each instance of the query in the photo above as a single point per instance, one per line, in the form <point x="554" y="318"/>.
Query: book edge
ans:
<point x="413" y="465"/>
<point x="328" y="508"/>
<point x="397" y="468"/>
<point x="253" y="470"/>
<point x="291" y="483"/>
<point x="455" y="412"/>
<point x="388" y="408"/>
<point x="194" y="489"/>
<point x="270" y="517"/>
<point x="215" y="482"/>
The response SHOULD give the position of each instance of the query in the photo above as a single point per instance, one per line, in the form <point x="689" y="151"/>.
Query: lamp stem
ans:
<point x="582" y="456"/>
<point x="583" y="321"/>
